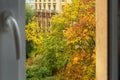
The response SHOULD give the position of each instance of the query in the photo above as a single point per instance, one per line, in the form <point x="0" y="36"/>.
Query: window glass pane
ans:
<point x="61" y="43"/>
<point x="49" y="7"/>
<point x="63" y="0"/>
<point x="54" y="6"/>
<point x="39" y="6"/>
<point x="44" y="6"/>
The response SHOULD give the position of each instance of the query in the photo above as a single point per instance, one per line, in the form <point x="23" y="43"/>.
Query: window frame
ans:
<point x="107" y="40"/>
<point x="101" y="34"/>
<point x="105" y="16"/>
<point x="113" y="40"/>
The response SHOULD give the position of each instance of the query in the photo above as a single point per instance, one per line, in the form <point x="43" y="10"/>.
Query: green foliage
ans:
<point x="58" y="23"/>
<point x="36" y="73"/>
<point x="29" y="13"/>
<point x="34" y="39"/>
<point x="30" y="48"/>
<point x="51" y="55"/>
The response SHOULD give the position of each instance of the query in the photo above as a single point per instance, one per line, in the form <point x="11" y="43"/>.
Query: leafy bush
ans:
<point x="29" y="13"/>
<point x="35" y="72"/>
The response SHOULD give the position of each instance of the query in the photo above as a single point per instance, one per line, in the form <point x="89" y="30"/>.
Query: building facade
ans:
<point x="45" y="9"/>
<point x="50" y="5"/>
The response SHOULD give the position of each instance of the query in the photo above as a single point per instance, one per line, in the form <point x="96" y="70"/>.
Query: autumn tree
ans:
<point x="81" y="40"/>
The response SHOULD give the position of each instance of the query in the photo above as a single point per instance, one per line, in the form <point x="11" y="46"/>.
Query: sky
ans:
<point x="29" y="1"/>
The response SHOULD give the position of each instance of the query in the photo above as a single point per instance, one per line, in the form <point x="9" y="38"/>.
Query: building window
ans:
<point x="44" y="6"/>
<point x="35" y="6"/>
<point x="49" y="7"/>
<point x="63" y="0"/>
<point x="54" y="0"/>
<point x="35" y="0"/>
<point x="49" y="0"/>
<point x="54" y="7"/>
<point x="39" y="0"/>
<point x="44" y="0"/>
<point x="40" y="6"/>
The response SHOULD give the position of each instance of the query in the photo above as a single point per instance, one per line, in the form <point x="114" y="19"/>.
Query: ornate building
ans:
<point x="50" y="5"/>
<point x="45" y="9"/>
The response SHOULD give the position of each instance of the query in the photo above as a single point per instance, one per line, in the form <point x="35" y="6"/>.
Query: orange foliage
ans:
<point x="82" y="33"/>
<point x="80" y="66"/>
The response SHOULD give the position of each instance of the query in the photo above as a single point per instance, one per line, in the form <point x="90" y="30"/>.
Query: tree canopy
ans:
<point x="29" y="13"/>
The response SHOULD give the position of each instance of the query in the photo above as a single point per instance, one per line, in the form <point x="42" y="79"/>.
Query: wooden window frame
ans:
<point x="107" y="40"/>
<point x="101" y="34"/>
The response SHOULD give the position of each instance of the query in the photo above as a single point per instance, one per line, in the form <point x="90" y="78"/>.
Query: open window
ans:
<point x="107" y="40"/>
